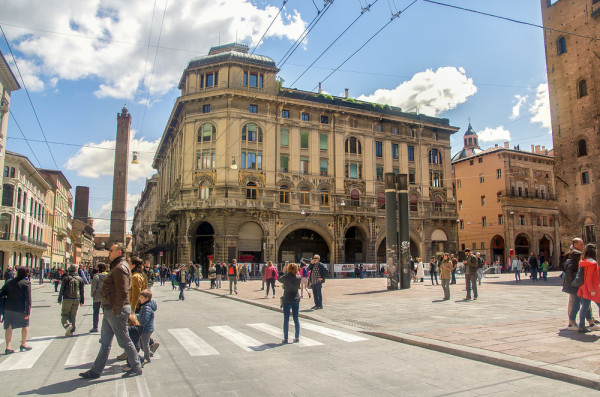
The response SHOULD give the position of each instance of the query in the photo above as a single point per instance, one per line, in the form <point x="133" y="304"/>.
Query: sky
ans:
<point x="82" y="61"/>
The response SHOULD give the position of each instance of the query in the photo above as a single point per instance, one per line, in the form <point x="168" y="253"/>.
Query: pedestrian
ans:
<point x="191" y="274"/>
<point x="233" y="275"/>
<point x="182" y="279"/>
<point x="219" y="268"/>
<point x="454" y="266"/>
<point x="81" y="273"/>
<point x="271" y="275"/>
<point x="304" y="274"/>
<point x="533" y="264"/>
<point x="470" y="274"/>
<point x="164" y="275"/>
<point x="115" y="302"/>
<point x="480" y="264"/>
<point x="174" y="278"/>
<point x="544" y="268"/>
<point x="446" y="275"/>
<point x="290" y="300"/>
<point x="420" y="270"/>
<point x="71" y="296"/>
<point x="516" y="267"/>
<point x="16" y="293"/>
<point x="134" y="330"/>
<point x="198" y="275"/>
<point x="9" y="274"/>
<point x="212" y="275"/>
<point x="433" y="265"/>
<point x="571" y="267"/>
<point x="149" y="273"/>
<point x="97" y="282"/>
<point x="590" y="290"/>
<point x="139" y="282"/>
<point x="146" y="319"/>
<point x="318" y="273"/>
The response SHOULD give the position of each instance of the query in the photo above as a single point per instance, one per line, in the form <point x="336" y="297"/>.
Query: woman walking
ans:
<point x="291" y="300"/>
<point x="17" y="308"/>
<point x="139" y="282"/>
<point x="420" y="270"/>
<point x="270" y="275"/>
<point x="212" y="275"/>
<point x="446" y="275"/>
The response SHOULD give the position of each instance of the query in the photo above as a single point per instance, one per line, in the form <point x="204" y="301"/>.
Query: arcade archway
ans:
<point x="204" y="246"/>
<point x="522" y="246"/>
<point x="545" y="248"/>
<point x="381" y="254"/>
<point x="497" y="245"/>
<point x="353" y="246"/>
<point x="303" y="243"/>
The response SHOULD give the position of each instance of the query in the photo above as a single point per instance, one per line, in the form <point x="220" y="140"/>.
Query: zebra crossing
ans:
<point x="205" y="341"/>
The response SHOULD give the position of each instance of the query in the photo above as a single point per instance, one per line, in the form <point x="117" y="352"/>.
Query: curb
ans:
<point x="539" y="368"/>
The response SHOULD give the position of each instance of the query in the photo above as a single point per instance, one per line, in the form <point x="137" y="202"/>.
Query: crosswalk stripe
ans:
<point x="84" y="350"/>
<point x="278" y="333"/>
<point x="333" y="333"/>
<point x="191" y="342"/>
<point x="142" y="386"/>
<point x="246" y="342"/>
<point x="26" y="360"/>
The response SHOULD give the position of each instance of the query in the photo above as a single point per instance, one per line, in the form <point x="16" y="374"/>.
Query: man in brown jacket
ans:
<point x="116" y="307"/>
<point x="470" y="274"/>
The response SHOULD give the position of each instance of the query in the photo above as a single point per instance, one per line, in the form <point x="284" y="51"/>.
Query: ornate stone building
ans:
<point x="573" y="64"/>
<point x="248" y="169"/>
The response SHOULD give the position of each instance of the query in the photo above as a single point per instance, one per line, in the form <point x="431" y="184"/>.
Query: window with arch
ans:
<point x="435" y="156"/>
<point x="582" y="88"/>
<point x="207" y="132"/>
<point x="8" y="194"/>
<point x="304" y="196"/>
<point x="436" y="179"/>
<point x="284" y="194"/>
<point x="19" y="194"/>
<point x="354" y="198"/>
<point x="204" y="190"/>
<point x="561" y="45"/>
<point x="5" y="220"/>
<point x="437" y="203"/>
<point x="353" y="146"/>
<point x="252" y="133"/>
<point x="324" y="197"/>
<point x="381" y="200"/>
<point x="581" y="148"/>
<point x="413" y="203"/>
<point x="251" y="191"/>
<point x="24" y="202"/>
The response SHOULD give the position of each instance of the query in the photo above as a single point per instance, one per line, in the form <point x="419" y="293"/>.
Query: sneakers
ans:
<point x="68" y="330"/>
<point x="93" y="330"/>
<point x="89" y="375"/>
<point x="572" y="327"/>
<point x="154" y="347"/>
<point x="144" y="362"/>
<point x="583" y="330"/>
<point x="126" y="368"/>
<point x="594" y="327"/>
<point x="132" y="372"/>
<point x="296" y="340"/>
<point x="235" y="291"/>
<point x="468" y="298"/>
<point x="122" y="356"/>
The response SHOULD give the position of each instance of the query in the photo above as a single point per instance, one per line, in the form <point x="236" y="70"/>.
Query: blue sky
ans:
<point x="82" y="61"/>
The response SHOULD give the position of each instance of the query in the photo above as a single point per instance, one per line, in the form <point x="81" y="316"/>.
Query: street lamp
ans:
<point x="233" y="164"/>
<point x="135" y="158"/>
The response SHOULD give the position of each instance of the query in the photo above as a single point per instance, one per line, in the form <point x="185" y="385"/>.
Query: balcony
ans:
<point x="528" y="195"/>
<point x="25" y="241"/>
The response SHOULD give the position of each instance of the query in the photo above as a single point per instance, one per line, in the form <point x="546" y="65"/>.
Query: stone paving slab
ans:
<point x="516" y="325"/>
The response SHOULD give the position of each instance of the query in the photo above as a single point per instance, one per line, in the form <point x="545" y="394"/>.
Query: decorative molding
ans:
<point x="200" y="177"/>
<point x="257" y="177"/>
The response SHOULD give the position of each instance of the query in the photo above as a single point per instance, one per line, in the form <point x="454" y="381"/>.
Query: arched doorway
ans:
<point x="545" y="249"/>
<point x="497" y="245"/>
<point x="303" y="243"/>
<point x="250" y="243"/>
<point x="522" y="246"/>
<point x="381" y="250"/>
<point x="204" y="246"/>
<point x="439" y="242"/>
<point x="353" y="246"/>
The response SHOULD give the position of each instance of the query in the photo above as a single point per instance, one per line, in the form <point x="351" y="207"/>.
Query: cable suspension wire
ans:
<point x="147" y="55"/>
<point x="269" y="27"/>
<point x="363" y="11"/>
<point x="29" y="97"/>
<point x="25" y="138"/>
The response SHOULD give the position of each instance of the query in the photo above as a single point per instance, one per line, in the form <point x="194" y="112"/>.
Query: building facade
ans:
<point x="573" y="67"/>
<point x="22" y="214"/>
<point x="506" y="200"/>
<point x="144" y="228"/>
<point x="250" y="170"/>
<point x="8" y="84"/>
<point x="60" y="202"/>
<point x="118" y="214"/>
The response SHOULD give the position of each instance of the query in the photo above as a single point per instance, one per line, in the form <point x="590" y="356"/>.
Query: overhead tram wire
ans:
<point x="363" y="11"/>
<point x="29" y="97"/>
<point x="269" y="27"/>
<point x="394" y="16"/>
<point x="147" y="53"/>
<point x="25" y="138"/>
<point x="510" y="19"/>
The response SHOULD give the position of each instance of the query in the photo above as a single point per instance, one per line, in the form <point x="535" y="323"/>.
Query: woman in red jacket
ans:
<point x="590" y="290"/>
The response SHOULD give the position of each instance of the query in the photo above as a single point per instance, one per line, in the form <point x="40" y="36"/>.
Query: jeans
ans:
<point x="56" y="286"/>
<point x="286" y="319"/>
<point x="575" y="308"/>
<point x="517" y="275"/>
<point x="181" y="289"/>
<point x="534" y="273"/>
<point x="68" y="312"/>
<point x="219" y="280"/>
<point x="446" y="288"/>
<point x="197" y="281"/>
<point x="145" y="344"/>
<point x="545" y="273"/>
<point x="271" y="283"/>
<point x="96" y="314"/>
<point x="433" y="274"/>
<point x="318" y="297"/>
<point x="192" y="279"/>
<point x="453" y="281"/>
<point x="585" y="309"/>
<point x="479" y="275"/>
<point x="471" y="280"/>
<point x="116" y="326"/>
<point x="233" y="282"/>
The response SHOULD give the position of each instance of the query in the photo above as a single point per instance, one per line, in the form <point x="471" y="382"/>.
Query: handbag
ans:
<point x="579" y="278"/>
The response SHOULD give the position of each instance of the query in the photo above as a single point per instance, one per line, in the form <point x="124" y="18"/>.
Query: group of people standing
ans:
<point x="536" y="265"/>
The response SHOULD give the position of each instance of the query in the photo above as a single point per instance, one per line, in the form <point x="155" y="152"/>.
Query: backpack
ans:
<point x="231" y="271"/>
<point x="72" y="291"/>
<point x="304" y="272"/>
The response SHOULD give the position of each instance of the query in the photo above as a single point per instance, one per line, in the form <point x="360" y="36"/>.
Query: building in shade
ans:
<point x="573" y="67"/>
<point x="506" y="201"/>
<point x="251" y="170"/>
<point x="82" y="235"/>
<point x="23" y="214"/>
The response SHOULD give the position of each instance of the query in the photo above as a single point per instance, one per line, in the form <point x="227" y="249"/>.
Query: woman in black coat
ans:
<point x="17" y="307"/>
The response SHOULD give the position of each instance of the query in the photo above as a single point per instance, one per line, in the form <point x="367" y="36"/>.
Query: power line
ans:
<point x="269" y="27"/>
<point x="147" y="54"/>
<point x="29" y="97"/>
<point x="26" y="140"/>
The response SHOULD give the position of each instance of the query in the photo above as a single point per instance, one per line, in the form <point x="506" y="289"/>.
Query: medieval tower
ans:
<point x="118" y="215"/>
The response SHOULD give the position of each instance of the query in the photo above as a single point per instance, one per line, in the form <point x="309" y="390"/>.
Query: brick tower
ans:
<point x="118" y="215"/>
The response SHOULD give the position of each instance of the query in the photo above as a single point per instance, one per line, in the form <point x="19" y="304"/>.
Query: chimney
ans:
<point x="506" y="145"/>
<point x="346" y="93"/>
<point x="537" y="149"/>
<point x="320" y="87"/>
<point x="543" y="147"/>
<point x="532" y="148"/>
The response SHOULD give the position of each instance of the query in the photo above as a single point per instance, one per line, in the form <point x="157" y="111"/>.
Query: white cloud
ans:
<point x="498" y="134"/>
<point x="102" y="218"/>
<point x="115" y="36"/>
<point x="431" y="92"/>
<point x="516" y="110"/>
<point x="97" y="159"/>
<point x="540" y="109"/>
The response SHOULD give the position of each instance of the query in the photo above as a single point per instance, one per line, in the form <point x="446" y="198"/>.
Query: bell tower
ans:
<point x="118" y="215"/>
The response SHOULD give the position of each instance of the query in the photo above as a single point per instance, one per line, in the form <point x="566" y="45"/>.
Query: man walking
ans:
<point x="97" y="283"/>
<point x="533" y="264"/>
<point x="480" y="263"/>
<point x="233" y="275"/>
<point x="219" y="274"/>
<point x="516" y="267"/>
<point x="318" y="272"/>
<point x="115" y="302"/>
<point x="454" y="266"/>
<point x="470" y="274"/>
<point x="182" y="279"/>
<point x="70" y="297"/>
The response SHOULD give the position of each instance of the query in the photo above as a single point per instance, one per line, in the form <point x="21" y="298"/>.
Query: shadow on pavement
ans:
<point x="587" y="338"/>
<point x="66" y="386"/>
<point x="368" y="292"/>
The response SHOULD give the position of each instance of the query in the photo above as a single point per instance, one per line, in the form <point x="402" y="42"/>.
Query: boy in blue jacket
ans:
<point x="146" y="319"/>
